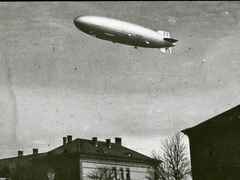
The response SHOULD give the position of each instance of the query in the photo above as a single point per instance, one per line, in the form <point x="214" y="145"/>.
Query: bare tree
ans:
<point x="102" y="173"/>
<point x="175" y="162"/>
<point x="157" y="172"/>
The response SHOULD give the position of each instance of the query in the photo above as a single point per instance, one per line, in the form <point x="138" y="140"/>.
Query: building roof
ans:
<point x="224" y="118"/>
<point x="23" y="160"/>
<point x="87" y="148"/>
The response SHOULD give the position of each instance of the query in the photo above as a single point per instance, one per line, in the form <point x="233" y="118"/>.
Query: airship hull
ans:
<point x="123" y="32"/>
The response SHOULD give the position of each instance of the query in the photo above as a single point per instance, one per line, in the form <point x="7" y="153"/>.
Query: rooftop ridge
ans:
<point x="216" y="118"/>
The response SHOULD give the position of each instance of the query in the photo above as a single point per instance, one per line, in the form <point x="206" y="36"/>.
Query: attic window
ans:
<point x="66" y="150"/>
<point x="100" y="151"/>
<point x="128" y="154"/>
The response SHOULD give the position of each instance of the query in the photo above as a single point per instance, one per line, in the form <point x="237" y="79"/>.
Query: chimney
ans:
<point x="35" y="151"/>
<point x="20" y="153"/>
<point x="69" y="137"/>
<point x="64" y="141"/>
<point x="94" y="140"/>
<point x="108" y="142"/>
<point x="118" y="141"/>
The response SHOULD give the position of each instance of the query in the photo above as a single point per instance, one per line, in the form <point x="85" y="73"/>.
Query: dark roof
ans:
<point x="87" y="148"/>
<point x="224" y="118"/>
<point x="23" y="160"/>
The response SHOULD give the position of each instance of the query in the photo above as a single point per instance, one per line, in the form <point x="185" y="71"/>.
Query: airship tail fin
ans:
<point x="171" y="40"/>
<point x="164" y="33"/>
<point x="166" y="50"/>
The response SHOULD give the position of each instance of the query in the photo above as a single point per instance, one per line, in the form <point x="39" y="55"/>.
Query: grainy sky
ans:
<point x="57" y="81"/>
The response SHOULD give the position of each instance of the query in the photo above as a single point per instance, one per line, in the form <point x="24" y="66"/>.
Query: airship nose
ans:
<point x="78" y="21"/>
<point x="82" y="23"/>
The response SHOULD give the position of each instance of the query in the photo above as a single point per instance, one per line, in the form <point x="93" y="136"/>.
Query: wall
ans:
<point x="137" y="171"/>
<point x="64" y="167"/>
<point x="215" y="152"/>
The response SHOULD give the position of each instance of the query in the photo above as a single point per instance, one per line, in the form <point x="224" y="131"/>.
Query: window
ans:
<point x="128" y="174"/>
<point x="120" y="174"/>
<point x="114" y="173"/>
<point x="100" y="151"/>
<point x="66" y="150"/>
<point x="128" y="154"/>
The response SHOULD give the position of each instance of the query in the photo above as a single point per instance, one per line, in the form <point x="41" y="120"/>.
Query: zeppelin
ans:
<point x="122" y="32"/>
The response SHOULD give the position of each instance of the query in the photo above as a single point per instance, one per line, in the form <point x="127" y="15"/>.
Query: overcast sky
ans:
<point x="57" y="81"/>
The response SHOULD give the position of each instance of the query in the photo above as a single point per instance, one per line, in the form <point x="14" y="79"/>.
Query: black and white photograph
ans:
<point x="120" y="90"/>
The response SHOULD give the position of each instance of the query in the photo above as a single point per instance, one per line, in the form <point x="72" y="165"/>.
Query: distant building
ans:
<point x="75" y="159"/>
<point x="215" y="147"/>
